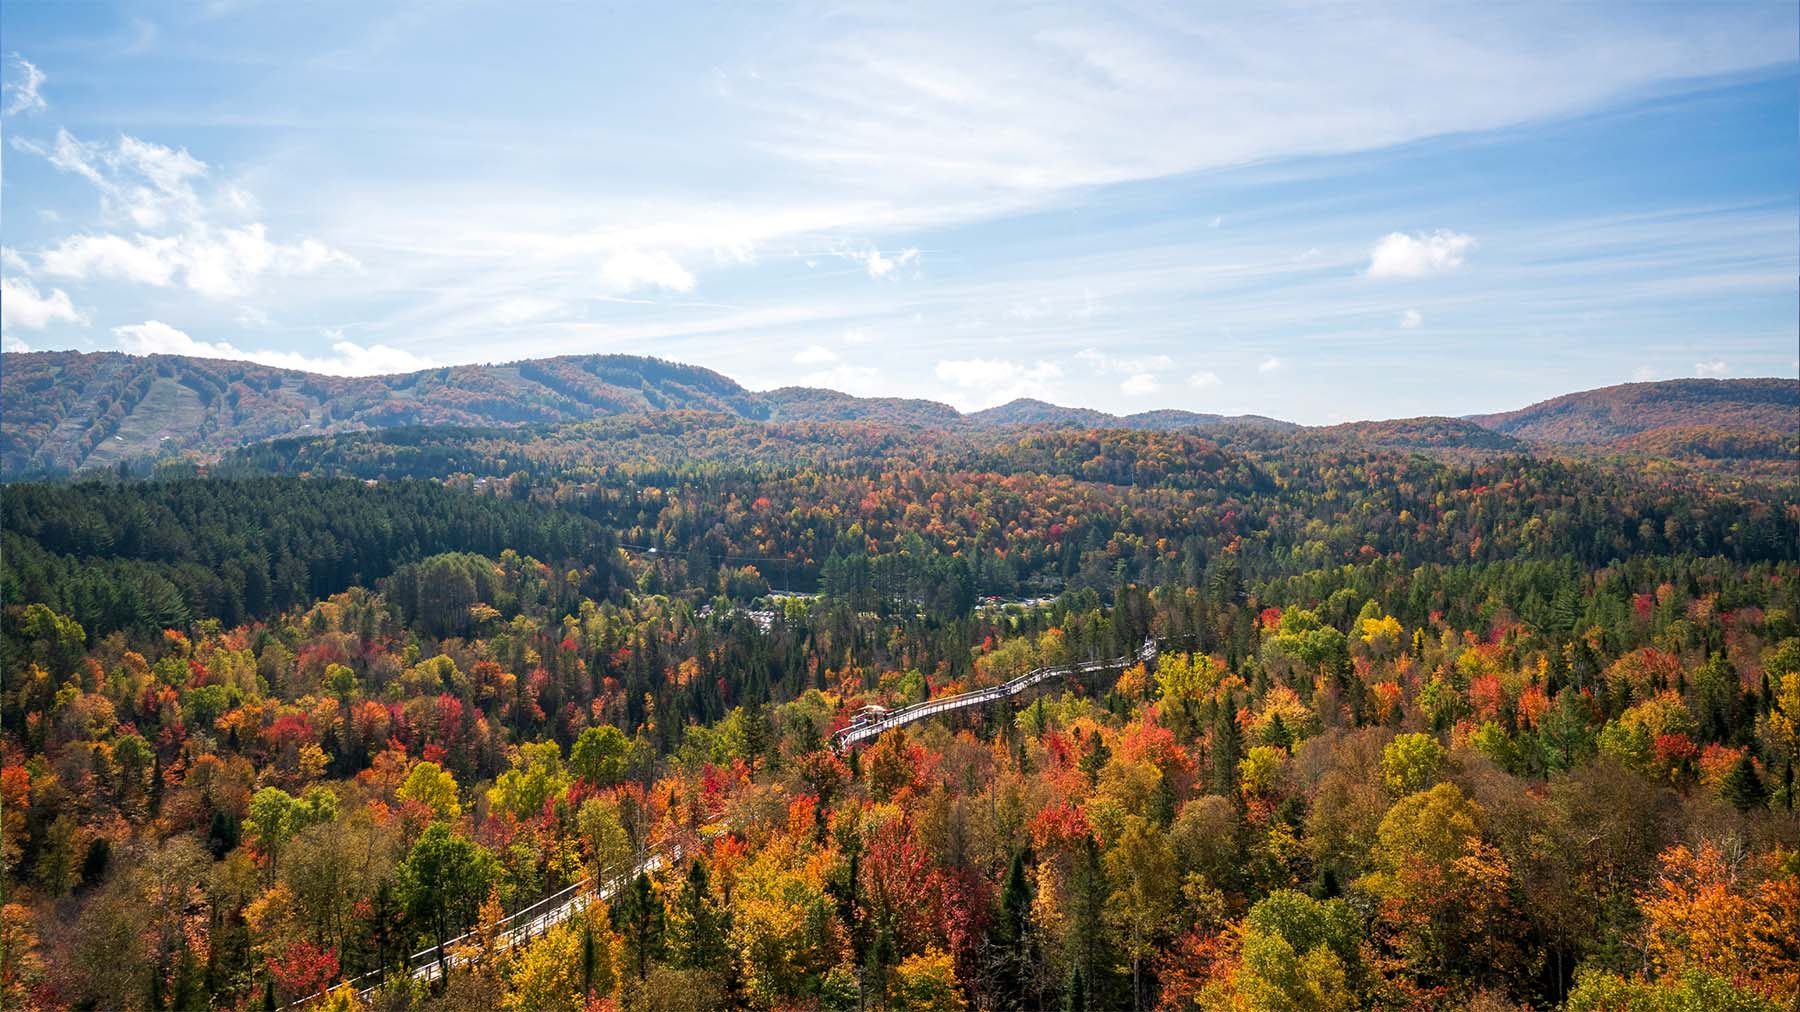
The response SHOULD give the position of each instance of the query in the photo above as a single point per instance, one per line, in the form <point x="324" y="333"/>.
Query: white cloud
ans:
<point x="985" y="382"/>
<point x="13" y="344"/>
<point x="1203" y="380"/>
<point x="630" y="269"/>
<point x="153" y="187"/>
<point x="855" y="335"/>
<point x="1139" y="385"/>
<point x="22" y="95"/>
<point x="216" y="263"/>
<point x="1269" y="365"/>
<point x="153" y="337"/>
<point x="1411" y="319"/>
<point x="22" y="305"/>
<point x="815" y="354"/>
<point x="880" y="265"/>
<point x="1713" y="369"/>
<point x="859" y="380"/>
<point x="1399" y="255"/>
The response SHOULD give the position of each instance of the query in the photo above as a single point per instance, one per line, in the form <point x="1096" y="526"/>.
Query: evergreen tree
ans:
<point x="1743" y="788"/>
<point x="700" y="925"/>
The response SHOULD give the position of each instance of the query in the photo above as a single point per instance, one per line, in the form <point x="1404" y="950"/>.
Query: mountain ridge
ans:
<point x="69" y="411"/>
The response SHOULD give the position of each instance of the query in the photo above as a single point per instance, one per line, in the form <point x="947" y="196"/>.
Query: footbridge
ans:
<point x="872" y="721"/>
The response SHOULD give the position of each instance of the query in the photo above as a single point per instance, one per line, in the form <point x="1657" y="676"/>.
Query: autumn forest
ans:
<point x="542" y="718"/>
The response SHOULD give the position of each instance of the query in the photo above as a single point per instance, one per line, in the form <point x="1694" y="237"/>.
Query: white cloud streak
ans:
<point x="153" y="337"/>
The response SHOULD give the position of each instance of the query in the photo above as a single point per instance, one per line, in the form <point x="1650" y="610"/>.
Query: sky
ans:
<point x="1319" y="212"/>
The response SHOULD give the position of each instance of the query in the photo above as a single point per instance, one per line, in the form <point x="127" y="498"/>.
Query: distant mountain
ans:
<point x="1171" y="419"/>
<point x="68" y="411"/>
<point x="1611" y="416"/>
<point x="1428" y="433"/>
<point x="811" y="404"/>
<point x="1026" y="411"/>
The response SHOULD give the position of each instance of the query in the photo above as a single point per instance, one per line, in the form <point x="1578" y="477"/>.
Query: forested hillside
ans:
<point x="1425" y="730"/>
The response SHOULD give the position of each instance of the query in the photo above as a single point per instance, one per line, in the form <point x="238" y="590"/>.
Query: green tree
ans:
<point x="599" y="755"/>
<point x="536" y="776"/>
<point x="642" y="923"/>
<point x="444" y="880"/>
<point x="1743" y="788"/>
<point x="699" y="927"/>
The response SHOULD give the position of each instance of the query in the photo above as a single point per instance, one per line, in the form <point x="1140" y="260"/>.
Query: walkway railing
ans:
<point x="860" y="732"/>
<point x="516" y="928"/>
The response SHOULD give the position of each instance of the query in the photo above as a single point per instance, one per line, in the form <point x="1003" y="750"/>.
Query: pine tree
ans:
<point x="590" y="957"/>
<point x="1227" y="749"/>
<point x="699" y="927"/>
<point x="1743" y="788"/>
<point x="1075" y="998"/>
<point x="1011" y="932"/>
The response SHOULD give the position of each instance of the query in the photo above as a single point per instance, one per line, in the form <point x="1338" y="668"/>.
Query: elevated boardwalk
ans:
<point x="865" y="729"/>
<point x="516" y="928"/>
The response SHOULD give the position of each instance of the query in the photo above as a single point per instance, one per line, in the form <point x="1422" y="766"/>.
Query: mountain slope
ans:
<point x="1611" y="415"/>
<point x="66" y="410"/>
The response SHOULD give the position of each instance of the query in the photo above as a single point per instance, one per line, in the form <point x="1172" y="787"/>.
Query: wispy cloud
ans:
<point x="21" y="89"/>
<point x="1411" y="319"/>
<point x="1269" y="365"/>
<point x="1094" y="358"/>
<point x="881" y="265"/>
<point x="1714" y="368"/>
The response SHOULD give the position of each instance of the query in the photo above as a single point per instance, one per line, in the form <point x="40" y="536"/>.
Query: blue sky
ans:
<point x="1320" y="213"/>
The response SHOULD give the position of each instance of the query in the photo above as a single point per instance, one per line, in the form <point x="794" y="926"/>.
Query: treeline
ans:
<point x="144" y="556"/>
<point x="901" y="519"/>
